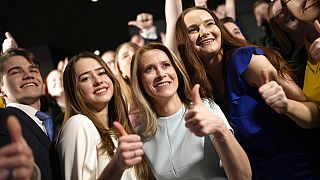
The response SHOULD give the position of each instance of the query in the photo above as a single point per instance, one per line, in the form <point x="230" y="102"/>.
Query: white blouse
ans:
<point x="78" y="151"/>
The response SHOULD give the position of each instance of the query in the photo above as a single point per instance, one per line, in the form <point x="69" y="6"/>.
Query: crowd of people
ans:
<point x="200" y="102"/>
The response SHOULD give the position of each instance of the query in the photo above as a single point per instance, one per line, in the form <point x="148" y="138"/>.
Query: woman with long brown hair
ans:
<point x="253" y="85"/>
<point x="94" y="116"/>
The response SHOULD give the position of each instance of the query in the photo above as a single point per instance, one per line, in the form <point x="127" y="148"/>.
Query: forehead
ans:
<point x="153" y="56"/>
<point x="231" y="26"/>
<point x="86" y="64"/>
<point x="16" y="61"/>
<point x="196" y="16"/>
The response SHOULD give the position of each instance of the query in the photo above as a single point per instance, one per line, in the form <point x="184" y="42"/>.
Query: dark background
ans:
<point x="54" y="29"/>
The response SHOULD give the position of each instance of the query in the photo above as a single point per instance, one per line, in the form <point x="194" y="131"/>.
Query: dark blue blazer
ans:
<point x="44" y="151"/>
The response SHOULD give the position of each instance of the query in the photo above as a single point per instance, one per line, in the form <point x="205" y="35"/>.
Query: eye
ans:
<point x="34" y="70"/>
<point x="14" y="72"/>
<point x="211" y="24"/>
<point x="103" y="72"/>
<point x="84" y="78"/>
<point x="149" y="69"/>
<point x="236" y="32"/>
<point x="166" y="65"/>
<point x="193" y="30"/>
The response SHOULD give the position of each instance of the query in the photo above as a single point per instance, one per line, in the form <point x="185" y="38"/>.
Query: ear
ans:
<point x="2" y="93"/>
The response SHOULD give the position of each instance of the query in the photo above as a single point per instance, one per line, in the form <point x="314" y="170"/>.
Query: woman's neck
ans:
<point x="167" y="107"/>
<point x="103" y="115"/>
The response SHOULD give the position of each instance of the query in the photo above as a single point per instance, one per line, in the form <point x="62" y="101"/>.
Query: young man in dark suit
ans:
<point x="22" y="85"/>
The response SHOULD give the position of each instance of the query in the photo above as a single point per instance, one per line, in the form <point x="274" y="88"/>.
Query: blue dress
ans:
<point x="277" y="148"/>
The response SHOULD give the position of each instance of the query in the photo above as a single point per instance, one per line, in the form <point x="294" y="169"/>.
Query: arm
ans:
<point x="284" y="96"/>
<point x="173" y="8"/>
<point x="314" y="49"/>
<point x="200" y="3"/>
<point x="233" y="157"/>
<point x="231" y="9"/>
<point x="203" y="121"/>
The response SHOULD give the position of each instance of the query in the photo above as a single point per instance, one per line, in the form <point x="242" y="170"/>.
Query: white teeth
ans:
<point x="163" y="84"/>
<point x="206" y="41"/>
<point x="101" y="91"/>
<point x="29" y="84"/>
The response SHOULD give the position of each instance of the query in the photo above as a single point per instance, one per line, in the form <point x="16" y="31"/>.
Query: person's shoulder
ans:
<point x="79" y="121"/>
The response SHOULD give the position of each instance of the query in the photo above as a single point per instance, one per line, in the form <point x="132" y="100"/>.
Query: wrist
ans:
<point x="150" y="33"/>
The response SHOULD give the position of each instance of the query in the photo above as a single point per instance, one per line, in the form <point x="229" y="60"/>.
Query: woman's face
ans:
<point x="284" y="19"/>
<point x="93" y="83"/>
<point x="158" y="76"/>
<point x="203" y="32"/>
<point x="306" y="10"/>
<point x="124" y="60"/>
<point x="55" y="84"/>
<point x="234" y="30"/>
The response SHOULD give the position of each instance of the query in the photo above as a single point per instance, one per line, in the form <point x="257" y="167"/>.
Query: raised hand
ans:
<point x="144" y="21"/>
<point x="314" y="49"/>
<point x="273" y="94"/>
<point x="200" y="119"/>
<point x="16" y="159"/>
<point x="62" y="64"/>
<point x="200" y="3"/>
<point x="8" y="43"/>
<point x="130" y="148"/>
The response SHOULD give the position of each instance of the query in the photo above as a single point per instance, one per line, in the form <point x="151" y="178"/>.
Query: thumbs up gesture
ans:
<point x="16" y="159"/>
<point x="144" y="21"/>
<point x="273" y="94"/>
<point x="200" y="119"/>
<point x="314" y="49"/>
<point x="130" y="148"/>
<point x="8" y="43"/>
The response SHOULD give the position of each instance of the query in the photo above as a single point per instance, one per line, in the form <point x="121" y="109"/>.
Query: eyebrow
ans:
<point x="19" y="68"/>
<point x="87" y="72"/>
<point x="208" y="20"/>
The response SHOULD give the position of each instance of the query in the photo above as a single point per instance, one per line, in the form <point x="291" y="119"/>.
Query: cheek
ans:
<point x="147" y="84"/>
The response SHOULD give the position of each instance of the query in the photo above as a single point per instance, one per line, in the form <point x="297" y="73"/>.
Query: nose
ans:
<point x="97" y="81"/>
<point x="27" y="75"/>
<point x="161" y="74"/>
<point x="203" y="32"/>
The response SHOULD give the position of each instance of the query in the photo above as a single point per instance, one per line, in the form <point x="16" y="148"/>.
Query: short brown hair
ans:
<point x="29" y="56"/>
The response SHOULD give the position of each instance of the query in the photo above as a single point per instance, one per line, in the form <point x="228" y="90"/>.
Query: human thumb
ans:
<point x="120" y="128"/>
<point x="196" y="99"/>
<point x="8" y="35"/>
<point x="14" y="129"/>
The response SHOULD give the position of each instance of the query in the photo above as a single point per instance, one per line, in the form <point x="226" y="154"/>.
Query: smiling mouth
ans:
<point x="205" y="42"/>
<point x="162" y="84"/>
<point x="100" y="91"/>
<point x="28" y="85"/>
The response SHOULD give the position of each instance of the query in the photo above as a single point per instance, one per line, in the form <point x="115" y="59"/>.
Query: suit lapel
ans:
<point x="32" y="126"/>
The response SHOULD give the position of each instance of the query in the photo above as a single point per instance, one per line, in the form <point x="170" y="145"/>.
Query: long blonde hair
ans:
<point x="141" y="98"/>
